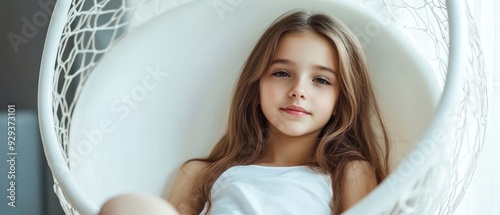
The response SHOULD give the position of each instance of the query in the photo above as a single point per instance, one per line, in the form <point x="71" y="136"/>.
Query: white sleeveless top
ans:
<point x="259" y="190"/>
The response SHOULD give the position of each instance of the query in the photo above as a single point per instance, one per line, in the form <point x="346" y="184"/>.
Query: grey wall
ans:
<point x="18" y="85"/>
<point x="24" y="166"/>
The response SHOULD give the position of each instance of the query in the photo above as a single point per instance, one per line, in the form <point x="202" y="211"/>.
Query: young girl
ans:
<point x="305" y="135"/>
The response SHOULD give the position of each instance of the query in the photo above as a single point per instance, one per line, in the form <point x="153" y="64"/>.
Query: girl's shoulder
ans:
<point x="184" y="182"/>
<point x="359" y="180"/>
<point x="194" y="166"/>
<point x="359" y="170"/>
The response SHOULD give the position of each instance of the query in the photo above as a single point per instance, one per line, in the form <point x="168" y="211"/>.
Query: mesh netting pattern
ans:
<point x="445" y="181"/>
<point x="90" y="31"/>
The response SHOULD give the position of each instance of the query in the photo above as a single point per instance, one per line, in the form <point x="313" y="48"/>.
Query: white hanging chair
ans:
<point x="131" y="89"/>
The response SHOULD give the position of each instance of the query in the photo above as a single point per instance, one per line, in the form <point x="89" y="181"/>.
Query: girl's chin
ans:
<point x="295" y="132"/>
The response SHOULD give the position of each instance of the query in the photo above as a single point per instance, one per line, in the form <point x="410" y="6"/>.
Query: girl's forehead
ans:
<point x="300" y="39"/>
<point x="306" y="47"/>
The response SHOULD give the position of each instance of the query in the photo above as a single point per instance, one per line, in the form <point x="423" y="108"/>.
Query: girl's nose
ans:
<point x="297" y="91"/>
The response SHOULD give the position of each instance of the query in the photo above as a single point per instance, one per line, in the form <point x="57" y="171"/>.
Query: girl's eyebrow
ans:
<point x="289" y="62"/>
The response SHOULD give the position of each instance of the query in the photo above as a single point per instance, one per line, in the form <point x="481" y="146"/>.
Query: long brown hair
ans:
<point x="356" y="132"/>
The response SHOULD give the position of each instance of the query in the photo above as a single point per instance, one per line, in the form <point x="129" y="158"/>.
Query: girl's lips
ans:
<point x="294" y="112"/>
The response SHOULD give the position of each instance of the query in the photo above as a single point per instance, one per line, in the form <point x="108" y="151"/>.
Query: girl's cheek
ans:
<point x="269" y="88"/>
<point x="274" y="90"/>
<point x="327" y="99"/>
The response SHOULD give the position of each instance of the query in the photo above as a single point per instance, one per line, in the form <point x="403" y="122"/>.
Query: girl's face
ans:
<point x="299" y="91"/>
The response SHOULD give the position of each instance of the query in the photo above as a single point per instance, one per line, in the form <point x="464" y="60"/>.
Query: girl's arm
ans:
<point x="180" y="196"/>
<point x="359" y="180"/>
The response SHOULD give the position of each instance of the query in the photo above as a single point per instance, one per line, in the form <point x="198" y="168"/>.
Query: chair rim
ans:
<point x="72" y="191"/>
<point x="77" y="198"/>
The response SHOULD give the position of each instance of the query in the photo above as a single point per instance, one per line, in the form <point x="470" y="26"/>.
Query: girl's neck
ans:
<point x="284" y="150"/>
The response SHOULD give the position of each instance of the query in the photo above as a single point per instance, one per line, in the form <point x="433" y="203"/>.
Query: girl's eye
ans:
<point x="281" y="73"/>
<point x="322" y="81"/>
